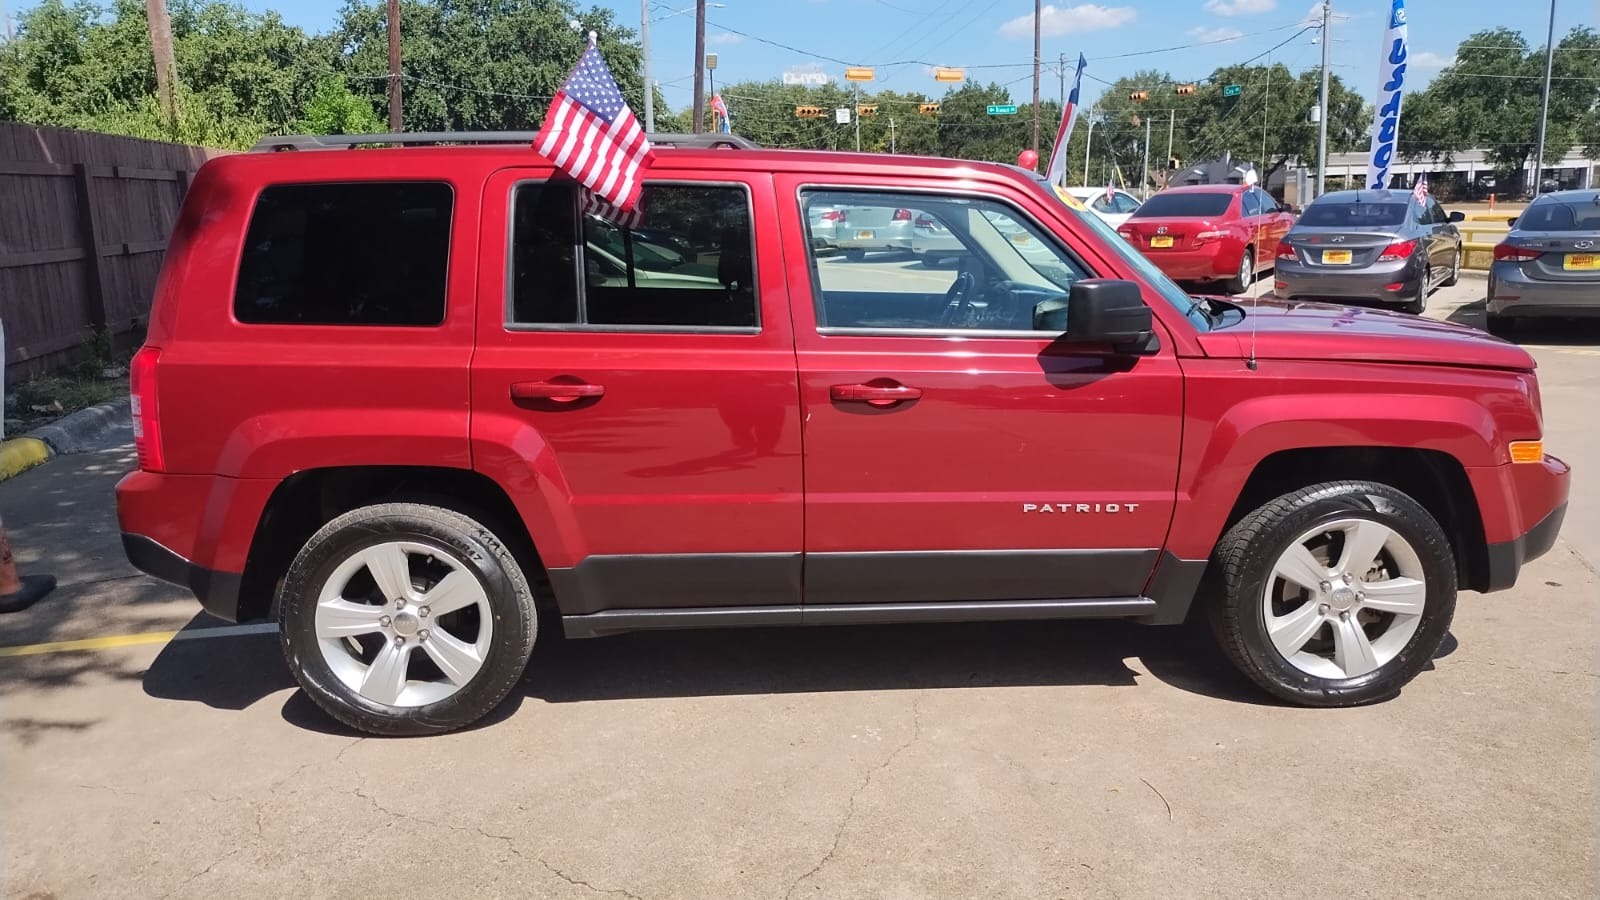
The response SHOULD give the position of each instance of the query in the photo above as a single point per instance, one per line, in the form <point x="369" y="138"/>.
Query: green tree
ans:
<point x="334" y="109"/>
<point x="1490" y="97"/>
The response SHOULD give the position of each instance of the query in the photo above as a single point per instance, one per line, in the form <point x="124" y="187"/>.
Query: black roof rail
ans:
<point x="424" y="138"/>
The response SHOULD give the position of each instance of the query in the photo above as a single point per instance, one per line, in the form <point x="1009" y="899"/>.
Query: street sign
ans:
<point x="858" y="73"/>
<point x="1231" y="90"/>
<point x="943" y="74"/>
<point x="808" y="79"/>
<point x="842" y="115"/>
<point x="1002" y="109"/>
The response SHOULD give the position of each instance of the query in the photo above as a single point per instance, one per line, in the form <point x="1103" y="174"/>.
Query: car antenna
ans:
<point x="1255" y="300"/>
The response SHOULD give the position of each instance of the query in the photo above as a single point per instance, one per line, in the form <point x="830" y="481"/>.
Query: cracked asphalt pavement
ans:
<point x="1013" y="760"/>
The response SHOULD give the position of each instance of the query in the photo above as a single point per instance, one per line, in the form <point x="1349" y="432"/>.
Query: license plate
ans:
<point x="1336" y="257"/>
<point x="1161" y="241"/>
<point x="1582" y="262"/>
<point x="864" y="235"/>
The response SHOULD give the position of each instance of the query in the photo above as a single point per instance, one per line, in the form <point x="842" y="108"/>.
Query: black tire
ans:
<point x="1246" y="277"/>
<point x="855" y="255"/>
<point x="464" y="540"/>
<point x="1501" y="326"/>
<point x="1244" y="561"/>
<point x="1455" y="269"/>
<point x="1418" y="304"/>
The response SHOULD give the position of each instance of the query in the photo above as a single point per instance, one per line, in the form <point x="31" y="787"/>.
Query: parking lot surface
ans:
<point x="1020" y="760"/>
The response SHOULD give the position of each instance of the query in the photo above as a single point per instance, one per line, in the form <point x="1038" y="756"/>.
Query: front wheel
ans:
<point x="1418" y="304"/>
<point x="406" y="619"/>
<point x="1455" y="269"/>
<point x="1334" y="595"/>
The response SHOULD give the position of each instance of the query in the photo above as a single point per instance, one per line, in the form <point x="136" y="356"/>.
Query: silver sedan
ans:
<point x="1549" y="265"/>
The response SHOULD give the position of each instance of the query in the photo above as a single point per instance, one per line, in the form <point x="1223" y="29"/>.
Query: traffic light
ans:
<point x="867" y="110"/>
<point x="1139" y="96"/>
<point x="929" y="109"/>
<point x="809" y="112"/>
<point x="1185" y="90"/>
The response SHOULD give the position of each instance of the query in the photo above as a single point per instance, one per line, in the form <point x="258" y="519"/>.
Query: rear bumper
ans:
<point x="1294" y="279"/>
<point x="1208" y="264"/>
<point x="1512" y="293"/>
<point x="218" y="592"/>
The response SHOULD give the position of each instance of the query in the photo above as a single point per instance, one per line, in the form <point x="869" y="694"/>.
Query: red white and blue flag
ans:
<point x="1421" y="190"/>
<point x="719" y="115"/>
<point x="1056" y="171"/>
<point x="591" y="134"/>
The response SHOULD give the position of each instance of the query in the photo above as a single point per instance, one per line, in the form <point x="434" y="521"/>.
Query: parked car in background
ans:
<point x="862" y="229"/>
<point x="824" y="223"/>
<point x="1549" y="265"/>
<point x="1385" y="246"/>
<point x="1224" y="233"/>
<point x="1114" y="208"/>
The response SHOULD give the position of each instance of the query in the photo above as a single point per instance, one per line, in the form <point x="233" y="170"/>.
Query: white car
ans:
<point x="1115" y="210"/>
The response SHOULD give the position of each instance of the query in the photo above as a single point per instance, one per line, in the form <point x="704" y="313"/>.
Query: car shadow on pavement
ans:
<point x="234" y="673"/>
<point x="1550" y="332"/>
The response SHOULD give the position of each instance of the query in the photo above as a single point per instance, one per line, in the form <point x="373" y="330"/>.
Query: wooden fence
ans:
<point x="84" y="219"/>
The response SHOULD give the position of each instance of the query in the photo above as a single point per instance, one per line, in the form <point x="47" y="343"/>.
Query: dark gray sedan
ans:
<point x="1388" y="246"/>
<point x="1549" y="265"/>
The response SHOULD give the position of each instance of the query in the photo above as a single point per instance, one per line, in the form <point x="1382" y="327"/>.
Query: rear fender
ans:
<point x="518" y="458"/>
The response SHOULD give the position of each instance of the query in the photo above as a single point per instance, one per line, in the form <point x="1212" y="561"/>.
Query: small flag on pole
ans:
<point x="719" y="112"/>
<point x="595" y="205"/>
<point x="590" y="133"/>
<point x="1056" y="171"/>
<point x="1111" y="193"/>
<point x="1421" y="190"/>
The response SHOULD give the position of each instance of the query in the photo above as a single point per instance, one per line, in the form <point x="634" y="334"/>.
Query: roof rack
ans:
<point x="425" y="138"/>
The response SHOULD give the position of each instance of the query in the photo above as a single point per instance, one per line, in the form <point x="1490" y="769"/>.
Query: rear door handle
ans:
<point x="558" y="391"/>
<point x="879" y="395"/>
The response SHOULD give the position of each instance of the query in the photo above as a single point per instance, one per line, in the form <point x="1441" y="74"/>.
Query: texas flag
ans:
<point x="1056" y="171"/>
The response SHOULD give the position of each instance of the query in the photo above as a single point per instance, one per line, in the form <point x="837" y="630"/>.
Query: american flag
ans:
<point x="595" y="205"/>
<point x="1421" y="190"/>
<point x="591" y="134"/>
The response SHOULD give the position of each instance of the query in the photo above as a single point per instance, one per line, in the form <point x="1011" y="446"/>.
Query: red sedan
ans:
<point x="1203" y="233"/>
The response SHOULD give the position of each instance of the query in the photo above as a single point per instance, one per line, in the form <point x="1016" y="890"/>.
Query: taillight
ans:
<point x="833" y="215"/>
<point x="902" y="215"/>
<point x="1204" y="236"/>
<point x="1402" y="250"/>
<point x="1512" y="253"/>
<point x="1286" y="252"/>
<point x="925" y="222"/>
<point x="146" y="415"/>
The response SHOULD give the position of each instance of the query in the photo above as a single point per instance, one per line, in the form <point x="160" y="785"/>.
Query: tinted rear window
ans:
<point x="1554" y="215"/>
<point x="1182" y="205"/>
<point x="1353" y="215"/>
<point x="346" y="254"/>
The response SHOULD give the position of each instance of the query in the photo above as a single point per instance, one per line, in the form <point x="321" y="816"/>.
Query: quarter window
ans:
<point x="370" y="253"/>
<point x="911" y="262"/>
<point x="1251" y="204"/>
<point x="685" y="261"/>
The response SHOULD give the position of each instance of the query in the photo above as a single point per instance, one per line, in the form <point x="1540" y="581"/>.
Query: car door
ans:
<point x="953" y="453"/>
<point x="1444" y="236"/>
<point x="641" y="406"/>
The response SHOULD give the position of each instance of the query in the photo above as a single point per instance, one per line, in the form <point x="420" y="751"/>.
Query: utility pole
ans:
<point x="1322" y="107"/>
<point x="649" y="86"/>
<point x="699" y="65"/>
<point x="857" y="116"/>
<point x="1544" y="105"/>
<point x="166" y="66"/>
<point x="1172" y="125"/>
<point x="1036" y="5"/>
<point x="1144" y="174"/>
<point x="891" y="135"/>
<point x="1088" y="146"/>
<point x="396" y="113"/>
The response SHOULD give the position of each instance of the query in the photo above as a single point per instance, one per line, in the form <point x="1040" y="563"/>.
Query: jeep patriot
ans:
<point x="424" y="404"/>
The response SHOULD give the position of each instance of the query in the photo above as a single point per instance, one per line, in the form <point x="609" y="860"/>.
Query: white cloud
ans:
<point x="1314" y="15"/>
<point x="1240" y="7"/>
<point x="1055" y="21"/>
<point x="725" y="38"/>
<point x="1429" y="60"/>
<point x="1204" y="35"/>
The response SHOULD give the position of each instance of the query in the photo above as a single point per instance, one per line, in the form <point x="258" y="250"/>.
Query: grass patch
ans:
<point x="40" y="401"/>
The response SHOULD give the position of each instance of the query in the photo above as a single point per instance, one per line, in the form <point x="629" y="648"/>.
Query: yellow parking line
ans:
<point x="110" y="642"/>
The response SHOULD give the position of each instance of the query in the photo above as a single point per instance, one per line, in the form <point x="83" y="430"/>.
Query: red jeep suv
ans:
<point x="424" y="403"/>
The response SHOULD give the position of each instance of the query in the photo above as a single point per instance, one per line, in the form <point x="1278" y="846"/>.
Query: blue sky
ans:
<point x="999" y="34"/>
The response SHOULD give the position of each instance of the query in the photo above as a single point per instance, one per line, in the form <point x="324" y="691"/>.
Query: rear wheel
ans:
<point x="1334" y="595"/>
<point x="406" y="619"/>
<point x="1418" y="304"/>
<point x="1241" y="282"/>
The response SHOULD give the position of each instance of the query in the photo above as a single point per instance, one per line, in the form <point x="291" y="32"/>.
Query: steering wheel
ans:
<point x="958" y="300"/>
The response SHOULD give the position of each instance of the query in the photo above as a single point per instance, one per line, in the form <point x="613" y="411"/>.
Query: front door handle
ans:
<point x="556" y="391"/>
<point x="881" y="394"/>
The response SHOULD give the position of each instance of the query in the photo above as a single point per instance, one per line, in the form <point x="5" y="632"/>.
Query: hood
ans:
<point x="1298" y="330"/>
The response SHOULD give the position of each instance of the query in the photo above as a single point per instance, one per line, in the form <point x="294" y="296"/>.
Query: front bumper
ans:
<point x="1507" y="558"/>
<point x="1522" y="505"/>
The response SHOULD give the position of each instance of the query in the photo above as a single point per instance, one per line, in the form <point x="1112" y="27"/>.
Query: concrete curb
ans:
<point x="70" y="434"/>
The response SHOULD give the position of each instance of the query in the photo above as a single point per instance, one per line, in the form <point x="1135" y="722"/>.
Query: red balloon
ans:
<point x="1028" y="159"/>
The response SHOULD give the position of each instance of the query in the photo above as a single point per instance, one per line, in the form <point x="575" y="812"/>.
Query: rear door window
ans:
<point x="1184" y="206"/>
<point x="367" y="253"/>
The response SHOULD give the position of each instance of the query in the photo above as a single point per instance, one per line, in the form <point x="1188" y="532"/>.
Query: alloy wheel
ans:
<point x="1344" y="598"/>
<point x="386" y="601"/>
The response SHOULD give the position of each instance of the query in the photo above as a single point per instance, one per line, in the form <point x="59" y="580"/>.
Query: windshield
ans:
<point x="1184" y="206"/>
<point x="1557" y="215"/>
<point x="1147" y="270"/>
<point x="1353" y="215"/>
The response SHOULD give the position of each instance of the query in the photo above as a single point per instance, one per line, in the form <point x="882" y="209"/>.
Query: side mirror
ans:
<point x="1098" y="311"/>
<point x="1457" y="216"/>
<point x="1511" y="222"/>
